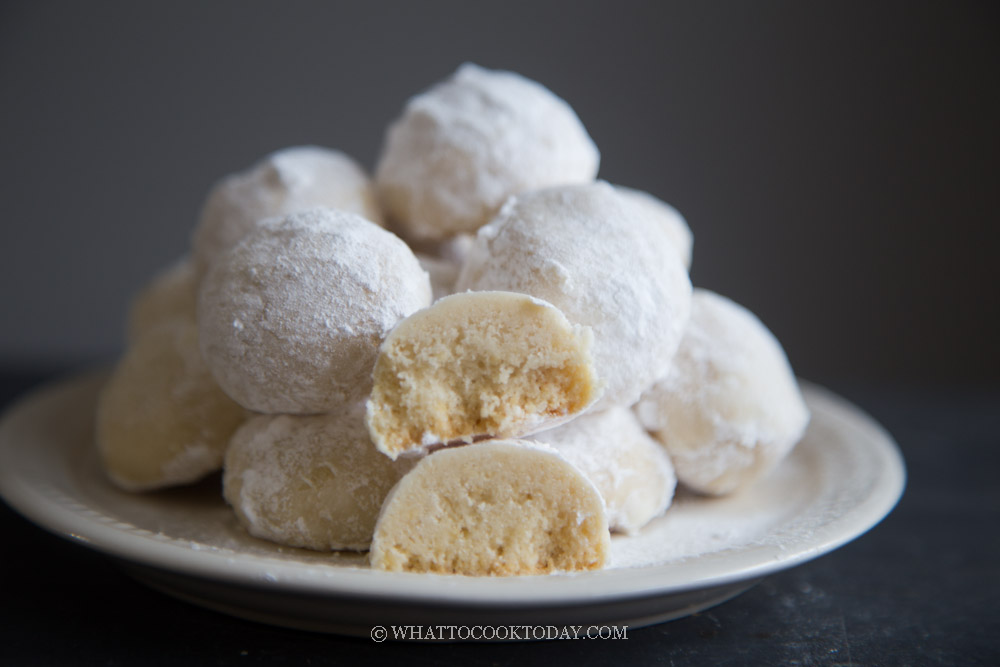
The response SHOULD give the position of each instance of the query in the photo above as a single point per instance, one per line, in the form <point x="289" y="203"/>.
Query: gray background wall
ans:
<point x="836" y="161"/>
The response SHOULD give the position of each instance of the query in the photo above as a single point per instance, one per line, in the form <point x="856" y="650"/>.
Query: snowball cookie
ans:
<point x="630" y="469"/>
<point x="170" y="296"/>
<point x="730" y="408"/>
<point x="462" y="147"/>
<point x="497" y="508"/>
<point x="582" y="250"/>
<point x="288" y="181"/>
<point x="309" y="481"/>
<point x="292" y="316"/>
<point x="161" y="418"/>
<point x="475" y="365"/>
<point x="664" y="214"/>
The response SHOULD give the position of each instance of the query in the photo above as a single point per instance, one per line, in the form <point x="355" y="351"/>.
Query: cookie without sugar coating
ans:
<point x="590" y="255"/>
<point x="172" y="295"/>
<point x="161" y="419"/>
<point x="309" y="481"/>
<point x="496" y="508"/>
<point x="286" y="181"/>
<point x="290" y="319"/>
<point x="462" y="147"/>
<point x="631" y="470"/>
<point x="730" y="408"/>
<point x="478" y="364"/>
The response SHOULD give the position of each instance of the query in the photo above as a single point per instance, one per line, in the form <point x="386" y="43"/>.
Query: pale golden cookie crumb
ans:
<point x="478" y="364"/>
<point x="499" y="508"/>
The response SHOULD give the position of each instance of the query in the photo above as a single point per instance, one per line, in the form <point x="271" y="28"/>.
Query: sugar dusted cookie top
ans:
<point x="662" y="213"/>
<point x="496" y="508"/>
<point x="604" y="266"/>
<point x="463" y="146"/>
<point x="729" y="408"/>
<point x="290" y="319"/>
<point x="475" y="365"/>
<point x="287" y="181"/>
<point x="309" y="481"/>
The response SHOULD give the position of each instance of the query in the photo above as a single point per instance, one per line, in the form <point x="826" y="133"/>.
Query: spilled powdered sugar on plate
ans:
<point x="840" y="479"/>
<point x="198" y="518"/>
<point x="696" y="525"/>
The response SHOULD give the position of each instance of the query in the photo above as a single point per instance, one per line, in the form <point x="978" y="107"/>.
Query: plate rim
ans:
<point x="85" y="526"/>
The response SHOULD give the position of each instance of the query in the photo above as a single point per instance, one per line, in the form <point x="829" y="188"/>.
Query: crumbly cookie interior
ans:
<point x="499" y="508"/>
<point x="475" y="365"/>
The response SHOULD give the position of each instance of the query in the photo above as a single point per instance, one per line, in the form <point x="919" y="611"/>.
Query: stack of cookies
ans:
<point x="482" y="361"/>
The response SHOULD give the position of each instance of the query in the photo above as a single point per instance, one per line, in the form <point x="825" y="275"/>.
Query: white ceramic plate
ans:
<point x="841" y="480"/>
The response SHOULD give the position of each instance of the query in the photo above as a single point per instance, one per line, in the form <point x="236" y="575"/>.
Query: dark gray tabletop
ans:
<point x="923" y="587"/>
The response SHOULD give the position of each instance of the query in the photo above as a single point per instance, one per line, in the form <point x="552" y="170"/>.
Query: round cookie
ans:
<point x="476" y="365"/>
<point x="309" y="481"/>
<point x="730" y="407"/>
<point x="631" y="470"/>
<point x="582" y="250"/>
<point x="497" y="508"/>
<point x="161" y="418"/>
<point x="290" y="319"/>
<point x="287" y="181"/>
<point x="171" y="295"/>
<point x="662" y="213"/>
<point x="462" y="147"/>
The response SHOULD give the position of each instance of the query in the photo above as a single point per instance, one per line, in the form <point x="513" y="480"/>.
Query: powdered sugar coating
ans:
<point x="462" y="147"/>
<point x="662" y="213"/>
<point x="629" y="468"/>
<point x="309" y="481"/>
<point x="582" y="250"/>
<point x="730" y="407"/>
<point x="287" y="181"/>
<point x="291" y="318"/>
